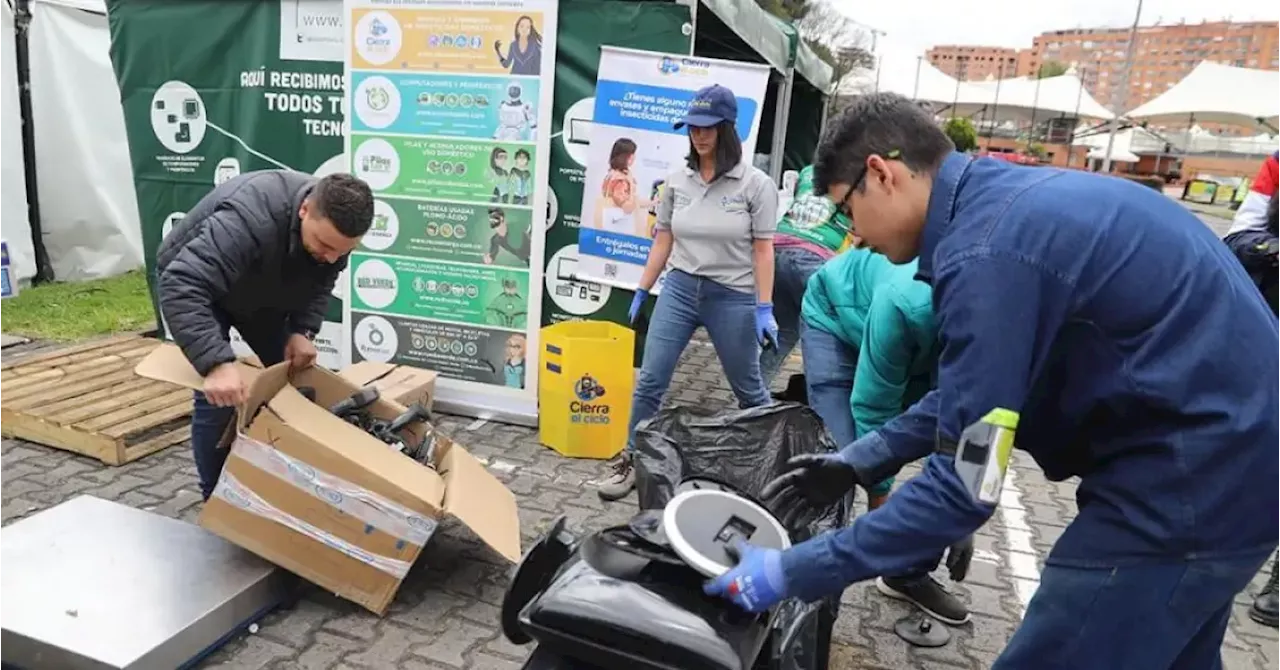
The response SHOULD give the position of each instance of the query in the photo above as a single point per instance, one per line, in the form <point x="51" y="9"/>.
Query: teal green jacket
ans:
<point x="883" y="312"/>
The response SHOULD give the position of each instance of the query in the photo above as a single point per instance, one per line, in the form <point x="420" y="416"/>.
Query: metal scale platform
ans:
<point x="92" y="584"/>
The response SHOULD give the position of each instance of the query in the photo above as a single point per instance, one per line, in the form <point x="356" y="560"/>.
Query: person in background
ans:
<point x="1253" y="239"/>
<point x="714" y="236"/>
<point x="1253" y="234"/>
<point x="1091" y="323"/>
<point x="870" y="351"/>
<point x="809" y="234"/>
<point x="259" y="253"/>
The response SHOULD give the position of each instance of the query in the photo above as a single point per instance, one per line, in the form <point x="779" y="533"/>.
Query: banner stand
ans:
<point x="449" y="109"/>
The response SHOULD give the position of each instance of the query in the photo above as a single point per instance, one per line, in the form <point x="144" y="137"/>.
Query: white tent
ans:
<point x="1121" y="149"/>
<point x="88" y="206"/>
<point x="1018" y="99"/>
<point x="16" y="224"/>
<point x="901" y="71"/>
<point x="1215" y="93"/>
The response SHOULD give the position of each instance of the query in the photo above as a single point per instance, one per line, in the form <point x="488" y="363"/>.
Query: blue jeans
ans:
<point x="792" y="267"/>
<point x="829" y="366"/>
<point x="685" y="303"/>
<point x="209" y="423"/>
<point x="1157" y="616"/>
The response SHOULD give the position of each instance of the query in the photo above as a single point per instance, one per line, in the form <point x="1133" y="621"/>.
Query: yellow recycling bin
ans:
<point x="584" y="388"/>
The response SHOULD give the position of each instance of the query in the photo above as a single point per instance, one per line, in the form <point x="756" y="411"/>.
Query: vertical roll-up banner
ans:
<point x="449" y="105"/>
<point x="640" y="95"/>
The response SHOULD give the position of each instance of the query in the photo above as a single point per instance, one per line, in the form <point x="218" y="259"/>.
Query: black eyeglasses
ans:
<point x="843" y="206"/>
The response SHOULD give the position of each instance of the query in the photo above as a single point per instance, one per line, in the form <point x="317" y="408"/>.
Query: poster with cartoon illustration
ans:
<point x="449" y="102"/>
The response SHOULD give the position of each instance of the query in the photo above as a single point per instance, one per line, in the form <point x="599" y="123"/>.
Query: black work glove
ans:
<point x="959" y="555"/>
<point x="811" y="484"/>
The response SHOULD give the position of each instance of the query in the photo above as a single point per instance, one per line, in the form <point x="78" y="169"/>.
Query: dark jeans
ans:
<point x="729" y="316"/>
<point x="209" y="423"/>
<point x="1162" y="616"/>
<point x="792" y="267"/>
<point x="829" y="366"/>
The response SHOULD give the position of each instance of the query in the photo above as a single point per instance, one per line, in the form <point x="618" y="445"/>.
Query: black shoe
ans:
<point x="926" y="594"/>
<point x="1264" y="609"/>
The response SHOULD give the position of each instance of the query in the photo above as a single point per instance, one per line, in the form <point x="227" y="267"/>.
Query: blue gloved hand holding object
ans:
<point x="766" y="325"/>
<point x="756" y="583"/>
<point x="636" y="303"/>
<point x="810" y="485"/>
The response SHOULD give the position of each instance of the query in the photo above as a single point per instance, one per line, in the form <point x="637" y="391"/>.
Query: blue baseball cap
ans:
<point x="711" y="106"/>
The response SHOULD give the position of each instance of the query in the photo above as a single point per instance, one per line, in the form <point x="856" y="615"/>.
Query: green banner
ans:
<point x="585" y="26"/>
<point x="268" y="101"/>
<point x="212" y="88"/>
<point x="468" y="294"/>
<point x="489" y="234"/>
<point x="443" y="169"/>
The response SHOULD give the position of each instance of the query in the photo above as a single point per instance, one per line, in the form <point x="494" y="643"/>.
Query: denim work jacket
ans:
<point x="1136" y="350"/>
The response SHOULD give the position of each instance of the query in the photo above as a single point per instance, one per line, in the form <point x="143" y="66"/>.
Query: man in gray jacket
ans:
<point x="260" y="253"/>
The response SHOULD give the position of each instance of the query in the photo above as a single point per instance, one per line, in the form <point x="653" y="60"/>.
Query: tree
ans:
<point x="962" y="133"/>
<point x="1051" y="68"/>
<point x="835" y="38"/>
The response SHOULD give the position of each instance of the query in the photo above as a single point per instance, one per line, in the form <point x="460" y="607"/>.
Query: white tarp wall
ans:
<point x="88" y="207"/>
<point x="14" y="223"/>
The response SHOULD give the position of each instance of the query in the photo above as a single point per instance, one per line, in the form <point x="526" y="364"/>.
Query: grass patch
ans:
<point x="79" y="310"/>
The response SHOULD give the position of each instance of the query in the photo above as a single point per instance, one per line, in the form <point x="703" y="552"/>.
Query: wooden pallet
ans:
<point x="87" y="399"/>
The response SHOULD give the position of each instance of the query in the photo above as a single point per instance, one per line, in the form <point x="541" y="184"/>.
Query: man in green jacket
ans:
<point x="870" y="349"/>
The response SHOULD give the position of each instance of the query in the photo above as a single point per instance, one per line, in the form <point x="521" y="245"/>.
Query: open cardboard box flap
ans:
<point x="460" y="486"/>
<point x="167" y="363"/>
<point x="402" y="383"/>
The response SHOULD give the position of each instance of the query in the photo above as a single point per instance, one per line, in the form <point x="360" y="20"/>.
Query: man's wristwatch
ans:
<point x="309" y="334"/>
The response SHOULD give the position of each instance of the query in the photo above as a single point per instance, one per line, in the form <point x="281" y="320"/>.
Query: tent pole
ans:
<point x="995" y="106"/>
<point x="693" y="24"/>
<point x="1035" y="103"/>
<point x="915" y="91"/>
<point x="781" y="115"/>
<point x="1124" y="88"/>
<point x="22" y="23"/>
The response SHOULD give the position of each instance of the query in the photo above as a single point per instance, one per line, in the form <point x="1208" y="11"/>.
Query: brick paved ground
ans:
<point x="446" y="613"/>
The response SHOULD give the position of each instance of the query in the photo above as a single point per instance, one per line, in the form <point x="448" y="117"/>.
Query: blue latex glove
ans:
<point x="766" y="325"/>
<point x="756" y="583"/>
<point x="636" y="303"/>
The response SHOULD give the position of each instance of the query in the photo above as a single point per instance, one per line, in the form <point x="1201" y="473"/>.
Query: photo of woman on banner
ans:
<point x="618" y="209"/>
<point x="714" y="237"/>
<point x="524" y="54"/>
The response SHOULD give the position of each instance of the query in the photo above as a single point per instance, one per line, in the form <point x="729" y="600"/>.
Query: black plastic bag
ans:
<point x="745" y="449"/>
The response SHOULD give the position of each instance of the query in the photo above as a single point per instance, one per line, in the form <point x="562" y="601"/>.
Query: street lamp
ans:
<point x="1124" y="88"/>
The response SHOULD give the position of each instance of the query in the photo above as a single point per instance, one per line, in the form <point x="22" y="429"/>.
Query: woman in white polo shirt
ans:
<point x="714" y="234"/>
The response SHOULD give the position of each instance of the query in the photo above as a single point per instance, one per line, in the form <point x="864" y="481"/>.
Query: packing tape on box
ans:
<point x="233" y="492"/>
<point x="382" y="513"/>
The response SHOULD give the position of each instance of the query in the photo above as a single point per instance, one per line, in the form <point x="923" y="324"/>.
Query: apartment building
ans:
<point x="976" y="63"/>
<point x="1163" y="55"/>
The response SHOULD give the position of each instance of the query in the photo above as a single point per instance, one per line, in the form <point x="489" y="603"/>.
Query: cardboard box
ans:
<point x="328" y="502"/>
<point x="399" y="383"/>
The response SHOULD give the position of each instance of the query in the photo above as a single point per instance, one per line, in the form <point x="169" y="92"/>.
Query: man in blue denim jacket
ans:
<point x="1128" y="347"/>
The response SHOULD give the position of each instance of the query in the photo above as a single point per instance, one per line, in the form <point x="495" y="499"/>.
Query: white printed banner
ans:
<point x="640" y="95"/>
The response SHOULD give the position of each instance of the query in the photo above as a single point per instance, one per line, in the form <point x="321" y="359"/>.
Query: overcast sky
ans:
<point x="919" y="24"/>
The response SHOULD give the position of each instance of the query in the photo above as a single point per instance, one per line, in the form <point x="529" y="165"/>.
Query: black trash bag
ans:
<point x="745" y="450"/>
